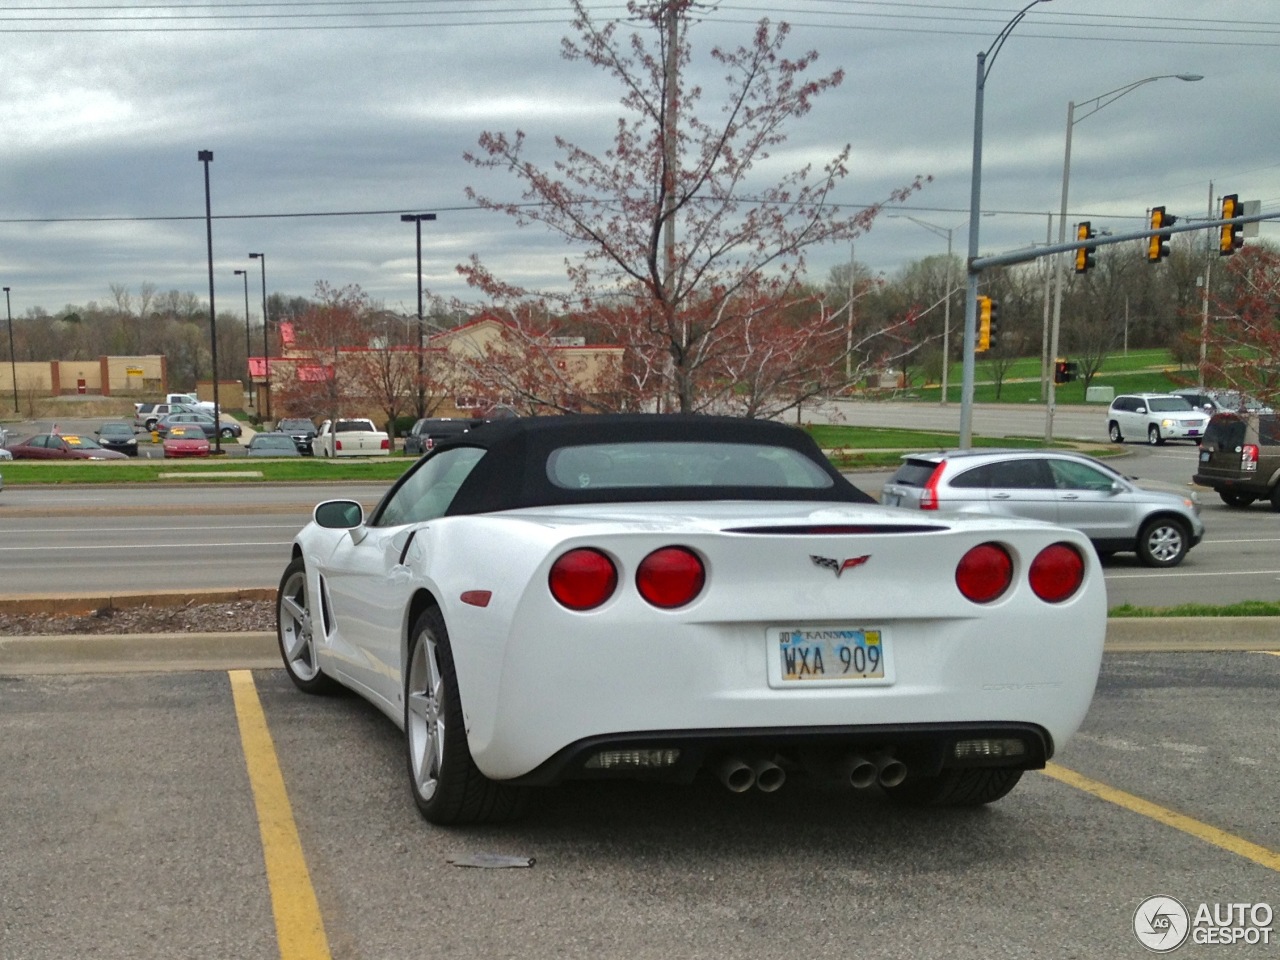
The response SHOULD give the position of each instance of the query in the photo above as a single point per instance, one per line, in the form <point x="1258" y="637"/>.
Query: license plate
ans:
<point x="1193" y="432"/>
<point x="834" y="654"/>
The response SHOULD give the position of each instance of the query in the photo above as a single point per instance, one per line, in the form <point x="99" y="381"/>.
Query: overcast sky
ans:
<point x="327" y="120"/>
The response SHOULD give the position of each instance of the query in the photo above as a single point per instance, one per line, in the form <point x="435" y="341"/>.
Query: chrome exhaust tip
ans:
<point x="735" y="775"/>
<point x="768" y="776"/>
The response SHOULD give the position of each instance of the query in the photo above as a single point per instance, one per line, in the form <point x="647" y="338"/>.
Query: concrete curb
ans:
<point x="161" y="652"/>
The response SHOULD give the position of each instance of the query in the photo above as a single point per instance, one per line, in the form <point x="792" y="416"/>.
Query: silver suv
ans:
<point x="1156" y="416"/>
<point x="1159" y="522"/>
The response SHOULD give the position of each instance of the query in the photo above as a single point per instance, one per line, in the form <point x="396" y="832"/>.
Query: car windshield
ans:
<point x="185" y="433"/>
<point x="81" y="443"/>
<point x="296" y="425"/>
<point x="1167" y="404"/>
<point x="263" y="440"/>
<point x="116" y="430"/>
<point x="676" y="464"/>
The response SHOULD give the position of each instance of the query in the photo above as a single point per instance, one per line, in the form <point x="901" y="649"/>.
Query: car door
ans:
<point x="1097" y="503"/>
<point x="1021" y="487"/>
<point x="367" y="576"/>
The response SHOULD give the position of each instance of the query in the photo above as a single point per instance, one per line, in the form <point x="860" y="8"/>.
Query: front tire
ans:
<point x="294" y="632"/>
<point x="228" y="433"/>
<point x="447" y="786"/>
<point x="1153" y="436"/>
<point x="1113" y="431"/>
<point x="1163" y="542"/>
<point x="954" y="788"/>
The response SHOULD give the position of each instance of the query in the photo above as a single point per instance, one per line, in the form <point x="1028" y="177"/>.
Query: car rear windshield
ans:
<point x="354" y="426"/>
<point x="676" y="464"/>
<point x="1225" y="432"/>
<point x="914" y="473"/>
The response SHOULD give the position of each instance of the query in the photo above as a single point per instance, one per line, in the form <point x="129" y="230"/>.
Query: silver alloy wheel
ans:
<point x="1153" y="435"/>
<point x="296" y="638"/>
<point x="1114" y="431"/>
<point x="424" y="715"/>
<point x="1165" y="542"/>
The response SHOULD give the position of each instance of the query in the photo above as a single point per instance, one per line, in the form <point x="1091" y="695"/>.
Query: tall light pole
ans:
<point x="206" y="157"/>
<point x="946" y="306"/>
<point x="13" y="363"/>
<point x="416" y="219"/>
<point x="1060" y="261"/>
<point x="975" y="212"/>
<point x="247" y="348"/>
<point x="266" y="348"/>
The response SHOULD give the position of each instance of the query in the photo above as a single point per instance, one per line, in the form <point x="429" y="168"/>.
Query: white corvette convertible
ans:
<point x="654" y="596"/>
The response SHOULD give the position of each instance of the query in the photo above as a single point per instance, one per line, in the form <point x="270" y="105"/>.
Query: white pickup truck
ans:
<point x="355" y="437"/>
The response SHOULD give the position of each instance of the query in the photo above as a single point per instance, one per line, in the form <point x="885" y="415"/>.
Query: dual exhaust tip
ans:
<point x="858" y="771"/>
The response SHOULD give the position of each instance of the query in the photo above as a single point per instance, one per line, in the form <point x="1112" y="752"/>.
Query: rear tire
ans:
<point x="1163" y="542"/>
<point x="1153" y="436"/>
<point x="1237" y="500"/>
<point x="447" y="786"/>
<point x="954" y="788"/>
<point x="1113" y="431"/>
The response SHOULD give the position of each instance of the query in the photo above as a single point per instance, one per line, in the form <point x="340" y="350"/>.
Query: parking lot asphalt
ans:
<point x="151" y="652"/>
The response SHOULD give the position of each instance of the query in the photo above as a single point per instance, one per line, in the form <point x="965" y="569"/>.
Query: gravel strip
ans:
<point x="241" y="615"/>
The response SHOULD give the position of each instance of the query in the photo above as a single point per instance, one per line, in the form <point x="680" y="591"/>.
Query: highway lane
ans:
<point x="55" y="541"/>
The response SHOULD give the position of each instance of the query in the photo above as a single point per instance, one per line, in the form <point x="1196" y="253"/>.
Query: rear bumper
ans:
<point x="925" y="749"/>
<point x="1255" y="486"/>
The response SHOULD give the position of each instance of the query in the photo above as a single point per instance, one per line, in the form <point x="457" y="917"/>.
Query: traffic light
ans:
<point x="988" y="317"/>
<point x="1064" y="371"/>
<point x="1158" y="246"/>
<point x="1084" y="255"/>
<point x="1231" y="237"/>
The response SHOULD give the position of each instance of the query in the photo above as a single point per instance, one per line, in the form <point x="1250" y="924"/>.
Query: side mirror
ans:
<point x="1140" y="410"/>
<point x="339" y="514"/>
<point x="1117" y="487"/>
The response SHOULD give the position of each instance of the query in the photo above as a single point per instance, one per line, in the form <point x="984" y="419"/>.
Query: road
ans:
<point x="55" y="540"/>
<point x="139" y="824"/>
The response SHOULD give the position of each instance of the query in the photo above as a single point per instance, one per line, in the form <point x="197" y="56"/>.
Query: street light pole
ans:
<point x="416" y="219"/>
<point x="247" y="348"/>
<point x="1060" y="261"/>
<point x="975" y="213"/>
<point x="946" y="307"/>
<point x="13" y="363"/>
<point x="266" y="348"/>
<point x="206" y="157"/>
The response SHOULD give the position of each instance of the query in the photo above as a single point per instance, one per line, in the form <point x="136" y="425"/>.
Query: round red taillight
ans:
<point x="1057" y="572"/>
<point x="670" y="577"/>
<point x="985" y="572"/>
<point x="583" y="579"/>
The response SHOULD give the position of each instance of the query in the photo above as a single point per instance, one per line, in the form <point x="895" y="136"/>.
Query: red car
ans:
<point x="186" y="440"/>
<point x="54" y="446"/>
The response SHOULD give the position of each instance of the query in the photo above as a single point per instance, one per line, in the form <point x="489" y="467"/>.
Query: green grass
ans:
<point x="1141" y="371"/>
<point x="1245" y="608"/>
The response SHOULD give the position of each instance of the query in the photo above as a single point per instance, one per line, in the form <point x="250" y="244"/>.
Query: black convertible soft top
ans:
<point x="514" y="474"/>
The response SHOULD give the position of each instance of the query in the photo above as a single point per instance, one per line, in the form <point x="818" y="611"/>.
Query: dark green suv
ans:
<point x="1240" y="458"/>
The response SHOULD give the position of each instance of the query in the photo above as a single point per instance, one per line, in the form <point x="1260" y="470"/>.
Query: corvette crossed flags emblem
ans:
<point x="839" y="566"/>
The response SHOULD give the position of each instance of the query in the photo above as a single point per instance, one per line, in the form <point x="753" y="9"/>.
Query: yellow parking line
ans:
<point x="299" y="926"/>
<point x="1219" y="838"/>
<point x="1273" y="653"/>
